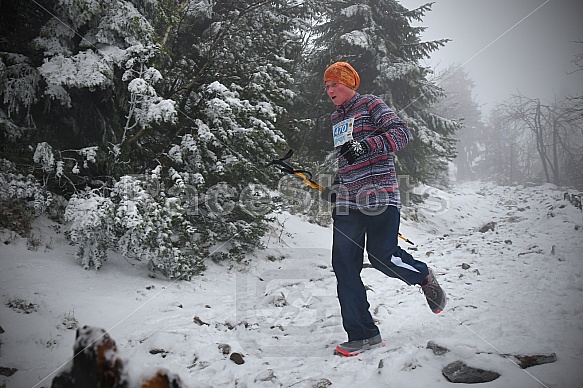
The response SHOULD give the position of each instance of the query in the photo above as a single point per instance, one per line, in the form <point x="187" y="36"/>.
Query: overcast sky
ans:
<point x="507" y="46"/>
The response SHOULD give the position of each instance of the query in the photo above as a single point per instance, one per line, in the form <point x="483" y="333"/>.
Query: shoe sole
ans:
<point x="437" y="311"/>
<point x="346" y="353"/>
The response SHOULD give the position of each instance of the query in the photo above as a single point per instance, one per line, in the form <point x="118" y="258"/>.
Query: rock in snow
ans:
<point x="459" y="372"/>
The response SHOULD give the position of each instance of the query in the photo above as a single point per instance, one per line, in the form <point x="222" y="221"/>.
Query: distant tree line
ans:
<point x="525" y="140"/>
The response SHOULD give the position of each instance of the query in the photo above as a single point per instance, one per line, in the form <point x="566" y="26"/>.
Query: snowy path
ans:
<point x="519" y="295"/>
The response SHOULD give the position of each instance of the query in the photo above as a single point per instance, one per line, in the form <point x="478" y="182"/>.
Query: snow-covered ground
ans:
<point x="521" y="294"/>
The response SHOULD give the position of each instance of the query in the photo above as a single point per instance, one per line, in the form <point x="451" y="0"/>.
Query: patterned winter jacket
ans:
<point x="372" y="180"/>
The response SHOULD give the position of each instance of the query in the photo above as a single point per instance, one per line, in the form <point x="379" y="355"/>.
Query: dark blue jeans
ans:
<point x="380" y="228"/>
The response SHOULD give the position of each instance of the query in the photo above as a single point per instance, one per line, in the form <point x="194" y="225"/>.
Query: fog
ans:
<point x="507" y="47"/>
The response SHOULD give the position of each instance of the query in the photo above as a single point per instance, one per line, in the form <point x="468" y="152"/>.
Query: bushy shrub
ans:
<point x="15" y="216"/>
<point x="90" y="214"/>
<point x="138" y="223"/>
<point x="22" y="199"/>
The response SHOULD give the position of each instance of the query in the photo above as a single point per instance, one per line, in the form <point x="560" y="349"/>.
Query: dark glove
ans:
<point x="352" y="150"/>
<point x="329" y="194"/>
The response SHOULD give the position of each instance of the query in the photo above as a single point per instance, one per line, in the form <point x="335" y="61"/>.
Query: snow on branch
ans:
<point x="145" y="106"/>
<point x="19" y="82"/>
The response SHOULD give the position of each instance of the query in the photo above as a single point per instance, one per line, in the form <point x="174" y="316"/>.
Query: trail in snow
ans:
<point x="522" y="294"/>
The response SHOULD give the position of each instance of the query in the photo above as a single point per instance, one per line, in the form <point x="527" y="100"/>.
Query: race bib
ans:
<point x="342" y="132"/>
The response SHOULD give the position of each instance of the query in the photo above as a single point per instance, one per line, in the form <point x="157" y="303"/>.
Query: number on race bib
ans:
<point x="342" y="132"/>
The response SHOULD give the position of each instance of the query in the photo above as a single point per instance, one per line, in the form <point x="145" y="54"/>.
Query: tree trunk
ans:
<point x="540" y="140"/>
<point x="555" y="152"/>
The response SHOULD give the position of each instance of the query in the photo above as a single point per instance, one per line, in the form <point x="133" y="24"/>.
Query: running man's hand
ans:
<point x="353" y="150"/>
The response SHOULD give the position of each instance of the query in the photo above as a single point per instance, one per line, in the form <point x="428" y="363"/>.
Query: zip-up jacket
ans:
<point x="372" y="180"/>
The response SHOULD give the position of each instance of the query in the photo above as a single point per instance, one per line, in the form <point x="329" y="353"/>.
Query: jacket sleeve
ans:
<point x="391" y="132"/>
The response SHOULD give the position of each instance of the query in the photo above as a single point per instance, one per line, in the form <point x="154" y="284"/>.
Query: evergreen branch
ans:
<point x="134" y="138"/>
<point x="186" y="90"/>
<point x="181" y="9"/>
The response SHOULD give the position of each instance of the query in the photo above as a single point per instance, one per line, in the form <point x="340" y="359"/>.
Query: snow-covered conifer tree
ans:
<point x="230" y="75"/>
<point x="377" y="38"/>
<point x="459" y="103"/>
<point x="120" y="94"/>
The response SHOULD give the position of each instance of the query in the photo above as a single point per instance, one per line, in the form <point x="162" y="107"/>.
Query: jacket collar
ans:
<point x="344" y="107"/>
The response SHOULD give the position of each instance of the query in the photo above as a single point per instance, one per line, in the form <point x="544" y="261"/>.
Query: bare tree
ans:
<point x="554" y="130"/>
<point x="527" y="139"/>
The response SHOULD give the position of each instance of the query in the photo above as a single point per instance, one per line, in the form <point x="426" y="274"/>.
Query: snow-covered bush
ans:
<point x="18" y="82"/>
<point x="90" y="214"/>
<point x="25" y="188"/>
<point x="22" y="199"/>
<point x="138" y="223"/>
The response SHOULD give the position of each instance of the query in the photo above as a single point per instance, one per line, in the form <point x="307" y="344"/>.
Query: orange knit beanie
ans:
<point x="342" y="73"/>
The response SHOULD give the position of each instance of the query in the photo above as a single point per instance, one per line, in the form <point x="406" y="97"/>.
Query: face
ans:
<point x="338" y="93"/>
